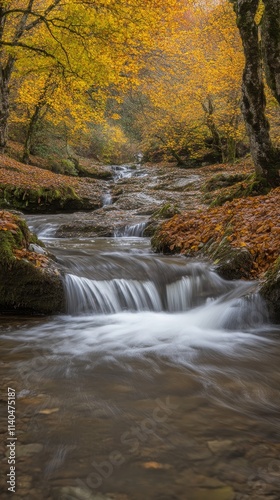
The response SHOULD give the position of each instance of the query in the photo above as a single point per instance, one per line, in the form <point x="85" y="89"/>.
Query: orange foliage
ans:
<point x="14" y="173"/>
<point x="252" y="223"/>
<point x="10" y="222"/>
<point x="19" y="175"/>
<point x="37" y="259"/>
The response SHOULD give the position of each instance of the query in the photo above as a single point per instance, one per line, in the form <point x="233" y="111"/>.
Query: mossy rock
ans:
<point x="223" y="180"/>
<point x="151" y="229"/>
<point x="42" y="199"/>
<point x="270" y="290"/>
<point x="230" y="262"/>
<point x="26" y="286"/>
<point x="243" y="189"/>
<point x="95" y="173"/>
<point x="167" y="211"/>
<point x="30" y="290"/>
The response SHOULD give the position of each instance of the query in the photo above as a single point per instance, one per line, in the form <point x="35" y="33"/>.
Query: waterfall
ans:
<point x="232" y="310"/>
<point x="131" y="230"/>
<point x="106" y="199"/>
<point x="45" y="230"/>
<point x="85" y="295"/>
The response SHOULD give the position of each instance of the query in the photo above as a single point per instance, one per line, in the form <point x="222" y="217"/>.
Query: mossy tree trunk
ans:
<point x="266" y="158"/>
<point x="30" y="134"/>
<point x="5" y="76"/>
<point x="208" y="108"/>
<point x="270" y="36"/>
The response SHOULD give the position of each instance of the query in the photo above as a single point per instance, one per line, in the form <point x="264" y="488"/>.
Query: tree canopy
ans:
<point x="160" y="76"/>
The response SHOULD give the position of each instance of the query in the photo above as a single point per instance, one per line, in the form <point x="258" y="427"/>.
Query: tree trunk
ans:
<point x="270" y="36"/>
<point x="5" y="76"/>
<point x="30" y="134"/>
<point x="253" y="96"/>
<point x="210" y="123"/>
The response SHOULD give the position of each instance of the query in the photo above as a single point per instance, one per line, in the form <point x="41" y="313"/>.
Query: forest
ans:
<point x="109" y="79"/>
<point x="139" y="249"/>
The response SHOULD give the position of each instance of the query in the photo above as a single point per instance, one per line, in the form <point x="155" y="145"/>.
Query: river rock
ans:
<point x="230" y="263"/>
<point x="218" y="446"/>
<point x="225" y="493"/>
<point x="85" y="493"/>
<point x="30" y="282"/>
<point x="270" y="290"/>
<point x="23" y="450"/>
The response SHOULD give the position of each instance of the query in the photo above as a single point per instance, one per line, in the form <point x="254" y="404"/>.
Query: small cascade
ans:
<point x="45" y="231"/>
<point x="127" y="171"/>
<point x="106" y="199"/>
<point x="122" y="172"/>
<point x="231" y="310"/>
<point x="85" y="295"/>
<point x="136" y="230"/>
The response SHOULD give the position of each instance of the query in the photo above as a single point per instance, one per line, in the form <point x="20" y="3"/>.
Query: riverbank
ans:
<point x="37" y="190"/>
<point x="30" y="282"/>
<point x="154" y="344"/>
<point x="240" y="238"/>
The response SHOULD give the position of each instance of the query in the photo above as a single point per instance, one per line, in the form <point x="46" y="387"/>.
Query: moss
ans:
<point x="95" y="173"/>
<point x="222" y="180"/>
<point x="252" y="186"/>
<point x="7" y="244"/>
<point x="166" y="211"/>
<point x="41" y="199"/>
<point x="16" y="239"/>
<point x="24" y="287"/>
<point x="151" y="229"/>
<point x="270" y="289"/>
<point x="230" y="262"/>
<point x="27" y="289"/>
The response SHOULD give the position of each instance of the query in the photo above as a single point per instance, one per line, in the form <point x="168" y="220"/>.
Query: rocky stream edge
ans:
<point x="31" y="281"/>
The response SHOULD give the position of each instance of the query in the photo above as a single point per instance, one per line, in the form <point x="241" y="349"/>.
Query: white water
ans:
<point x="106" y="199"/>
<point x="131" y="230"/>
<point x="142" y="328"/>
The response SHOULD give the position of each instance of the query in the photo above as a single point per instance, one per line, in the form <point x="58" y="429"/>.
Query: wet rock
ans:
<point x="226" y="493"/>
<point x="270" y="290"/>
<point x="220" y="446"/>
<point x="29" y="282"/>
<point x="230" y="262"/>
<point x="23" y="450"/>
<point x="85" y="228"/>
<point x="198" y="480"/>
<point x="85" y="493"/>
<point x="198" y="453"/>
<point x="137" y="201"/>
<point x="24" y="482"/>
<point x="178" y="185"/>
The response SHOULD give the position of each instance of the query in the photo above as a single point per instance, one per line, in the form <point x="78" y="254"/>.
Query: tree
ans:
<point x="99" y="43"/>
<point x="17" y="19"/>
<point x="191" y="92"/>
<point x="265" y="156"/>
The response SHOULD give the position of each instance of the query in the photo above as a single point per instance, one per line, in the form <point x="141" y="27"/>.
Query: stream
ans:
<point x="161" y="382"/>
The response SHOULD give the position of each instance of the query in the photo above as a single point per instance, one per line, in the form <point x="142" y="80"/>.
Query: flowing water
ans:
<point x="161" y="382"/>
